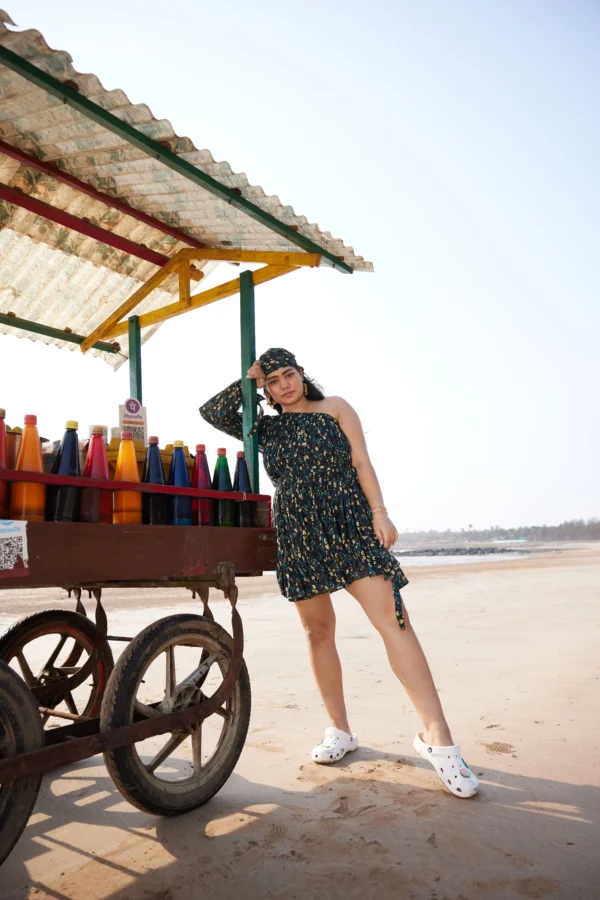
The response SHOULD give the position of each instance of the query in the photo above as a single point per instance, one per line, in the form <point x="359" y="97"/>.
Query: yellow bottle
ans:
<point x="127" y="505"/>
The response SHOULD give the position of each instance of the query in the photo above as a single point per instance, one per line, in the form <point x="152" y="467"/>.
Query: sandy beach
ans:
<point x="513" y="645"/>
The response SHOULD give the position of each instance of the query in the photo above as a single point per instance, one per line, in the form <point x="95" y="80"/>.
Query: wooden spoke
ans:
<point x="197" y="746"/>
<point x="52" y="659"/>
<point x="172" y="744"/>
<point x="171" y="678"/>
<point x="149" y="712"/>
<point x="26" y="671"/>
<point x="71" y="706"/>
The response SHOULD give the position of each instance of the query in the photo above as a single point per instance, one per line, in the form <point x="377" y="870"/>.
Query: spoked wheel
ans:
<point x="47" y="647"/>
<point x="175" y="663"/>
<point x="20" y="730"/>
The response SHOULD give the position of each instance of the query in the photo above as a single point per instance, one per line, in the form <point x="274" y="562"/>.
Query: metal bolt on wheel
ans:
<point x="20" y="730"/>
<point x="173" y="664"/>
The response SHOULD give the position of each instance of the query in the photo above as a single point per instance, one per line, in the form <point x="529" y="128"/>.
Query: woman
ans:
<point x="333" y="532"/>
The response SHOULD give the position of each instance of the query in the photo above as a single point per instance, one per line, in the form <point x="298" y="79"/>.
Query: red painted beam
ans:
<point x="135" y="486"/>
<point x="54" y="172"/>
<point x="25" y="201"/>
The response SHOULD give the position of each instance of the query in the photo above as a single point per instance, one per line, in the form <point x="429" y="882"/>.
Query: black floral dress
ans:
<point x="325" y="536"/>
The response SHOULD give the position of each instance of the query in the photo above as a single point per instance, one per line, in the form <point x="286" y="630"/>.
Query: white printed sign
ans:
<point x="132" y="417"/>
<point x="14" y="558"/>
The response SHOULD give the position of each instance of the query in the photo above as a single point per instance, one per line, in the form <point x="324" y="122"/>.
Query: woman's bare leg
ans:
<point x="376" y="596"/>
<point x="318" y="618"/>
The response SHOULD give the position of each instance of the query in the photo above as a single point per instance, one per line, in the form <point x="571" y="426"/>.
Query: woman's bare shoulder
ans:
<point x="334" y="406"/>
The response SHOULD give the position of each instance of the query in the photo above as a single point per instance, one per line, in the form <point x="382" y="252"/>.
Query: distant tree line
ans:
<point x="573" y="530"/>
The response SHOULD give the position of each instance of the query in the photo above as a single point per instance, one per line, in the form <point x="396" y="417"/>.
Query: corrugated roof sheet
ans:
<point x="81" y="291"/>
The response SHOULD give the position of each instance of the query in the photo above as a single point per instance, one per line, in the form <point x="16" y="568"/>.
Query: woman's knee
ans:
<point x="320" y="631"/>
<point x="318" y="623"/>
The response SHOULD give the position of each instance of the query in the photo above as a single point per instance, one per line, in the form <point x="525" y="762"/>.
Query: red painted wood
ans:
<point x="80" y="481"/>
<point x="63" y="553"/>
<point x="18" y="198"/>
<point x="83" y="188"/>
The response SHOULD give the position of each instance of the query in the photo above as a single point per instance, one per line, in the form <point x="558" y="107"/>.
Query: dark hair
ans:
<point x="313" y="391"/>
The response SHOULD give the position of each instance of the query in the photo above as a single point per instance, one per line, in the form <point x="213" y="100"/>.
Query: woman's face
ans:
<point x="285" y="386"/>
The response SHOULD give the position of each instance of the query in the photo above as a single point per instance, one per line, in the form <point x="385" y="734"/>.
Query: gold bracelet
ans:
<point x="376" y="509"/>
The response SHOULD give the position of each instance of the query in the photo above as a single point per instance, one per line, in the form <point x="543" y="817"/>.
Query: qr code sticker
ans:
<point x="11" y="551"/>
<point x="137" y="433"/>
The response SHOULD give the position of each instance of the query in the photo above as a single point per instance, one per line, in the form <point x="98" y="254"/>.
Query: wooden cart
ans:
<point x="136" y="217"/>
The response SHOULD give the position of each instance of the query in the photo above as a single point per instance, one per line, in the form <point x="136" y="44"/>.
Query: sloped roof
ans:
<point x="54" y="275"/>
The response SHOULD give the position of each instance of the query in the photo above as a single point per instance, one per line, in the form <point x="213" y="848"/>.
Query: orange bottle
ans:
<point x="127" y="505"/>
<point x="28" y="501"/>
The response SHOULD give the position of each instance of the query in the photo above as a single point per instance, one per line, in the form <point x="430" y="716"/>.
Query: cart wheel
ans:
<point x="20" y="730"/>
<point x="47" y="647"/>
<point x="171" y="665"/>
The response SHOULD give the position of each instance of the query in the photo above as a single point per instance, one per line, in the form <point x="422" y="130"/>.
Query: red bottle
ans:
<point x="203" y="508"/>
<point x="96" y="504"/>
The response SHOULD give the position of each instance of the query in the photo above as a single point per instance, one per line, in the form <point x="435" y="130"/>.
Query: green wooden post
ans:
<point x="135" y="358"/>
<point x="248" y="335"/>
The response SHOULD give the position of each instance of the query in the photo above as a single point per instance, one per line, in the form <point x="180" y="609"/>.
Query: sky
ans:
<point x="456" y="146"/>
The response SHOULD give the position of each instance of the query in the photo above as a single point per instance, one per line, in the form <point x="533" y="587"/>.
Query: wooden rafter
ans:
<point x="228" y="289"/>
<point x="276" y="264"/>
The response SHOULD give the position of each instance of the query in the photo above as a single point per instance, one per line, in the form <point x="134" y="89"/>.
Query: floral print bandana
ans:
<point x="277" y="358"/>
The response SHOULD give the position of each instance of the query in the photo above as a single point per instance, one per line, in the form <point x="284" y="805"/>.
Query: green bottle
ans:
<point x="222" y="482"/>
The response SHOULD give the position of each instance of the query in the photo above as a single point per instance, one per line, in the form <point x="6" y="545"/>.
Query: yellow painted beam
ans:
<point x="269" y="258"/>
<point x="125" y="308"/>
<point x="184" y="282"/>
<point x="211" y="296"/>
<point x="274" y="259"/>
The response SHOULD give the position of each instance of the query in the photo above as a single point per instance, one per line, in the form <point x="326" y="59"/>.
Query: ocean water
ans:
<point x="458" y="560"/>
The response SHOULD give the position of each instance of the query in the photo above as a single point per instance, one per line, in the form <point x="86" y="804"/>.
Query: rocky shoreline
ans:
<point x="462" y="551"/>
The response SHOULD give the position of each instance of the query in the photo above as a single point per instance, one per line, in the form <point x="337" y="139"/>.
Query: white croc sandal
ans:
<point x="452" y="770"/>
<point x="334" y="746"/>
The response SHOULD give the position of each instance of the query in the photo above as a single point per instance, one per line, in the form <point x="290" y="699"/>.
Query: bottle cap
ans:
<point x="200" y="448"/>
<point x="97" y="429"/>
<point x="2" y="413"/>
<point x="126" y="436"/>
<point x="177" y="443"/>
<point x="152" y="440"/>
<point x="222" y="451"/>
<point x="31" y="420"/>
<point x="241" y="454"/>
<point x="72" y="424"/>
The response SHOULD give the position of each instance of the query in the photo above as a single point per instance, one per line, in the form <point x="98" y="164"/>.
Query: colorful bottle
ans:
<point x="96" y="504"/>
<point x="28" y="501"/>
<point x="180" y="508"/>
<point x="222" y="482"/>
<point x="127" y="505"/>
<point x="3" y="457"/>
<point x="154" y="506"/>
<point x="203" y="508"/>
<point x="62" y="502"/>
<point x="241" y="482"/>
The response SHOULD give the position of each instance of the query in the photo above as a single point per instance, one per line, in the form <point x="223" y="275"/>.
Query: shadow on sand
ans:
<point x="374" y="826"/>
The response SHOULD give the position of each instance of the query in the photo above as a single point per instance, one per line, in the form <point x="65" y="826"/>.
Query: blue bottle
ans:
<point x="180" y="508"/>
<point x="154" y="506"/>
<point x="63" y="502"/>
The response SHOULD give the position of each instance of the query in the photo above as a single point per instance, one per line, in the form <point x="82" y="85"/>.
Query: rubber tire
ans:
<point x="37" y="623"/>
<point x="124" y="765"/>
<point x="20" y="730"/>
